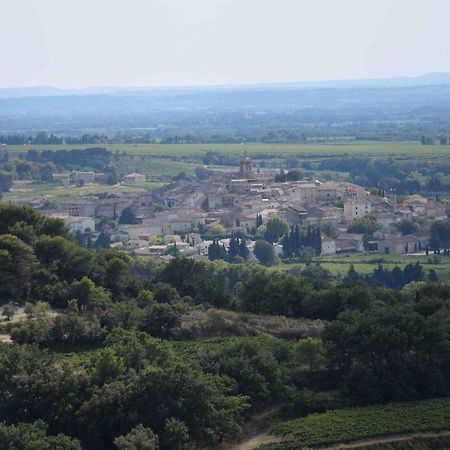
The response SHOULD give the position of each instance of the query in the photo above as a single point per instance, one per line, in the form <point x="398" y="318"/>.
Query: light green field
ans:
<point x="366" y="264"/>
<point x="353" y="147"/>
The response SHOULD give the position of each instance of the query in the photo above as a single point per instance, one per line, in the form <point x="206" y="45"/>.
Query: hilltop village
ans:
<point x="186" y="217"/>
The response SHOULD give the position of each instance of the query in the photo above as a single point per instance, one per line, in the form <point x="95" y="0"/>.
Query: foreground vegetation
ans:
<point x="111" y="351"/>
<point x="351" y="424"/>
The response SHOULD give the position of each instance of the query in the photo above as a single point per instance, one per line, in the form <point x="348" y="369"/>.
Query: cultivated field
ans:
<point x="349" y="424"/>
<point x="313" y="149"/>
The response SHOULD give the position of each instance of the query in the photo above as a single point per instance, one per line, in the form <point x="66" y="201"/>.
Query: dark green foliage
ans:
<point x="17" y="262"/>
<point x="407" y="227"/>
<point x="265" y="253"/>
<point x="280" y="293"/>
<point x="393" y="279"/>
<point x="139" y="438"/>
<point x="252" y="369"/>
<point x="33" y="436"/>
<point x="392" y="357"/>
<point x="11" y="215"/>
<point x="291" y="175"/>
<point x="67" y="329"/>
<point x="259" y="220"/>
<point x="174" y="391"/>
<point x="275" y="229"/>
<point x="216" y="251"/>
<point x="89" y="158"/>
<point x="175" y="436"/>
<point x="36" y="386"/>
<point x="296" y="241"/>
<point x="440" y="236"/>
<point x="304" y="402"/>
<point x="366" y="225"/>
<point x="197" y="280"/>
<point x="160" y="320"/>
<point x="108" y="366"/>
<point x="128" y="216"/>
<point x="237" y="250"/>
<point x="103" y="241"/>
<point x="6" y="180"/>
<point x="63" y="257"/>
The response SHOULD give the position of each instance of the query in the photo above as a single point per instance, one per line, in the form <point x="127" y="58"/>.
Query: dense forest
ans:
<point x="102" y="357"/>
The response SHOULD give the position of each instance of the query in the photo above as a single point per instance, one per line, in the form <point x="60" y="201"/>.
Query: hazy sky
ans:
<point x="79" y="43"/>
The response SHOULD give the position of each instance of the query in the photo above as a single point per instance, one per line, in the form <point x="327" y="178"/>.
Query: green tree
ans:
<point x="108" y="366"/>
<point x="139" y="438"/>
<point x="111" y="174"/>
<point x="128" y="216"/>
<point x="63" y="257"/>
<point x="17" y="263"/>
<point x="103" y="241"/>
<point x="294" y="175"/>
<point x="9" y="310"/>
<point x="366" y="225"/>
<point x="33" y="436"/>
<point x="275" y="229"/>
<point x="407" y="227"/>
<point x="175" y="436"/>
<point x="161" y="319"/>
<point x="6" y="180"/>
<point x="28" y="309"/>
<point x="265" y="253"/>
<point x="310" y="352"/>
<point x="88" y="294"/>
<point x="440" y="235"/>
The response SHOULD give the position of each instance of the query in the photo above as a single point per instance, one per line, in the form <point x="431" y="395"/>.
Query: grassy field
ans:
<point x="367" y="263"/>
<point x="351" y="424"/>
<point x="318" y="149"/>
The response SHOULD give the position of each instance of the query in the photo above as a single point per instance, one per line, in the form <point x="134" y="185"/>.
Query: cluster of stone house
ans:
<point x="179" y="212"/>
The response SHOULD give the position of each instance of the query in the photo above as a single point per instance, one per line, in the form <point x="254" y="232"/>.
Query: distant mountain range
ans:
<point x="430" y="79"/>
<point x="390" y="108"/>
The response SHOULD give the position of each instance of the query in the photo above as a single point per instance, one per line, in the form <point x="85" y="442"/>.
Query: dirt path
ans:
<point x="255" y="441"/>
<point x="252" y="443"/>
<point x="255" y="431"/>
<point x="388" y="439"/>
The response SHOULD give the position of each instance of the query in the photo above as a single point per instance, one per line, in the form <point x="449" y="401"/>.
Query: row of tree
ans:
<point x="296" y="240"/>
<point x="237" y="250"/>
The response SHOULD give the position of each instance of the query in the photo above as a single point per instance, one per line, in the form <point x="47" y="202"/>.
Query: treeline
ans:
<point x="41" y="165"/>
<point x="43" y="138"/>
<point x="237" y="250"/>
<point x="429" y="140"/>
<point x="405" y="175"/>
<point x="297" y="240"/>
<point x="396" y="278"/>
<point x="95" y="158"/>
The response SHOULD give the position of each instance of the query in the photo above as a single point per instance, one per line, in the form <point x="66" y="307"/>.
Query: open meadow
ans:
<point x="365" y="264"/>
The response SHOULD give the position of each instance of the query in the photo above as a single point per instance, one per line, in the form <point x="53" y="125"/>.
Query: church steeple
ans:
<point x="245" y="170"/>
